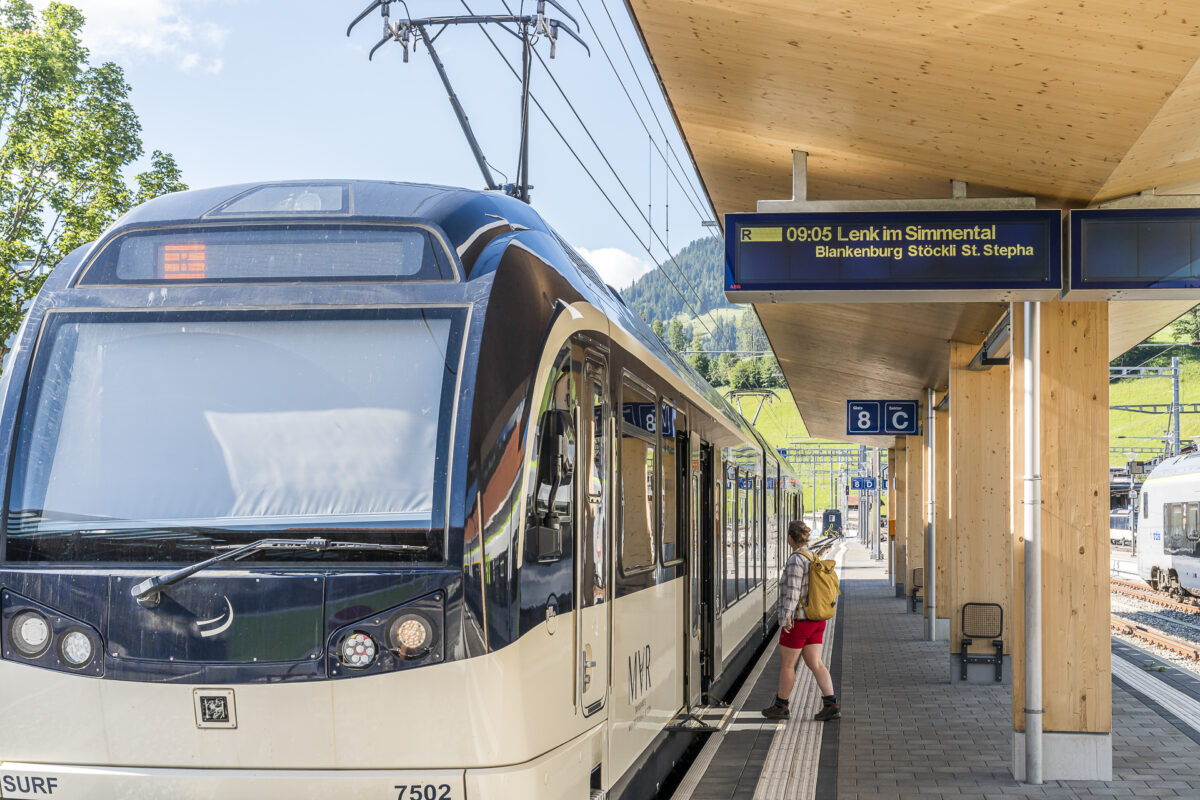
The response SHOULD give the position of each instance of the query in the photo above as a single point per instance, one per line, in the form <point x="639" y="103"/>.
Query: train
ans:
<point x="370" y="489"/>
<point x="1168" y="526"/>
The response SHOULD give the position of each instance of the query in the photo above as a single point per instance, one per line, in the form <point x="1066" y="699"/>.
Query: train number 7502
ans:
<point x="423" y="791"/>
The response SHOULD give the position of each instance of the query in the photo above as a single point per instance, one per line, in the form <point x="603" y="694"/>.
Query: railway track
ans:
<point x="1131" y="589"/>
<point x="1157" y="638"/>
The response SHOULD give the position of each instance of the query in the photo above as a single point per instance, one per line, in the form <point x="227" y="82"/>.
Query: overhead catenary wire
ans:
<point x="646" y="217"/>
<point x="591" y="176"/>
<point x="637" y="77"/>
<point x="689" y="191"/>
<point x="629" y="194"/>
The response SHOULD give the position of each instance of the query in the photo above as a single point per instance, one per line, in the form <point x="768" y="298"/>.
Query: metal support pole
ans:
<point x="1176" y="442"/>
<point x="931" y="521"/>
<point x="1033" y="545"/>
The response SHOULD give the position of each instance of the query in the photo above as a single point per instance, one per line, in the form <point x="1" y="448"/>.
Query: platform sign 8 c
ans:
<point x="863" y="417"/>
<point x="882" y="417"/>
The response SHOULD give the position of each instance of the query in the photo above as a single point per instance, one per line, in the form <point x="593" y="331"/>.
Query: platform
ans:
<point x="907" y="732"/>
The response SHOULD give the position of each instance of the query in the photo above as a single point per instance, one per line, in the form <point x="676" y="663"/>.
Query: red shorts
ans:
<point x="803" y="632"/>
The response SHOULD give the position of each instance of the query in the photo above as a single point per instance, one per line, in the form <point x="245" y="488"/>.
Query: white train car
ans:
<point x="364" y="489"/>
<point x="1168" y="529"/>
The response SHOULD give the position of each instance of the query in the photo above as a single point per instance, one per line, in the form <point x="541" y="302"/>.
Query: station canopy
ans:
<point x="1070" y="103"/>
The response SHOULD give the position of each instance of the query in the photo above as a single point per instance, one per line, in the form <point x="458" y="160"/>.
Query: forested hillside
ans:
<point x="702" y="262"/>
<point x="717" y="338"/>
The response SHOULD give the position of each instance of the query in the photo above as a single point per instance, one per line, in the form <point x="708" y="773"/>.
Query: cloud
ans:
<point x="151" y="30"/>
<point x="618" y="268"/>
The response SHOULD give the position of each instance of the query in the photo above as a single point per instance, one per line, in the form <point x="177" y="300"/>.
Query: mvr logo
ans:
<point x="639" y="673"/>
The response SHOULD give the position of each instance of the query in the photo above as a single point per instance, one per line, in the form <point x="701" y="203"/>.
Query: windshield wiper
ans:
<point x="149" y="591"/>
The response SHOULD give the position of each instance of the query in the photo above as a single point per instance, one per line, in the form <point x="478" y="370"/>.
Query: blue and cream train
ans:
<point x="363" y="489"/>
<point x="1168" y="526"/>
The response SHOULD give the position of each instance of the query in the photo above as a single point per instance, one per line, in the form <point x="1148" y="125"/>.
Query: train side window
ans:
<point x="743" y="532"/>
<point x="1192" y="528"/>
<point x="1174" y="540"/>
<point x="772" y="529"/>
<point x="1145" y="504"/>
<point x="670" y="430"/>
<point x="639" y="425"/>
<point x="731" y="551"/>
<point x="552" y="510"/>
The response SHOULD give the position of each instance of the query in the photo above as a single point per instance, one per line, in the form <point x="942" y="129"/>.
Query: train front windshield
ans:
<point x="170" y="436"/>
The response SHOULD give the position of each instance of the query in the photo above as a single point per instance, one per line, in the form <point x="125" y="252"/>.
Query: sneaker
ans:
<point x="831" y="711"/>
<point x="776" y="711"/>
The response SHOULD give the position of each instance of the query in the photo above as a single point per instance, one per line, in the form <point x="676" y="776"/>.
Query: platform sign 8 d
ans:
<point x="881" y="417"/>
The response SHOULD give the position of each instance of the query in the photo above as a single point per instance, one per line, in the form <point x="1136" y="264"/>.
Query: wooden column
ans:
<point x="1076" y="642"/>
<point x="942" y="523"/>
<point x="914" y="512"/>
<point x="900" y="482"/>
<point x="980" y="511"/>
<point x="891" y="512"/>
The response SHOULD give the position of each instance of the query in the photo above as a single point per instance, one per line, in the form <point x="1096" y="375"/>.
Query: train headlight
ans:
<point x="411" y="635"/>
<point x="358" y="650"/>
<point x="76" y="648"/>
<point x="30" y="633"/>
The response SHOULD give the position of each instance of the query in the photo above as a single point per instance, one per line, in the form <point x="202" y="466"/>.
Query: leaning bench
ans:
<point x="983" y="621"/>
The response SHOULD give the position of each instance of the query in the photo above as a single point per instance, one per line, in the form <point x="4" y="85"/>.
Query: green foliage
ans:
<point x="657" y="327"/>
<point x="750" y="335"/>
<point x="678" y="336"/>
<point x="721" y="366"/>
<point x="755" y="373"/>
<point x="1187" y="327"/>
<point x="702" y="364"/>
<point x="67" y="130"/>
<point x="702" y="261"/>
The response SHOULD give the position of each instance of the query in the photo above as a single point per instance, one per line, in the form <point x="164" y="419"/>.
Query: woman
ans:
<point x="799" y="637"/>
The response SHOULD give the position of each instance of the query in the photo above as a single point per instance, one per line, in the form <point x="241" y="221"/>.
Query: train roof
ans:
<point x="1185" y="464"/>
<point x="463" y="215"/>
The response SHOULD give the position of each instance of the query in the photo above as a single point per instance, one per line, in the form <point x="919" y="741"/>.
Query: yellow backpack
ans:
<point x="823" y="589"/>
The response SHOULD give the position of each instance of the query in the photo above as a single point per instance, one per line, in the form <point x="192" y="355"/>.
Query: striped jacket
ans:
<point x="794" y="586"/>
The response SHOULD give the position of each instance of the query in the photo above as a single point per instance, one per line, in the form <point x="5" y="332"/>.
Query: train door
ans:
<point x="592" y="578"/>
<point x="693" y="479"/>
<point x="709" y="563"/>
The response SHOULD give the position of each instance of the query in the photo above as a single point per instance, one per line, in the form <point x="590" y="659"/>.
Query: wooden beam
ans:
<point x="1076" y="671"/>
<point x="900" y="480"/>
<point x="980" y="548"/>
<point x="914" y="511"/>
<point x="942" y="523"/>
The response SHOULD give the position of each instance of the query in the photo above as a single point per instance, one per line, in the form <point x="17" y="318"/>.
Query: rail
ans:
<point x="1131" y="589"/>
<point x="1157" y="638"/>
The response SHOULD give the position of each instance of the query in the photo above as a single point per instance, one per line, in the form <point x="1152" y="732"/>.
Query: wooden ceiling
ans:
<point x="1070" y="101"/>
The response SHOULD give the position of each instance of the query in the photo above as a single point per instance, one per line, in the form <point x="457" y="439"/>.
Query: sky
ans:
<point x="247" y="90"/>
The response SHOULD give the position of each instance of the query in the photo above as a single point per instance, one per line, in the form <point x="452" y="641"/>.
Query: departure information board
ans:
<point x="894" y="256"/>
<point x="1135" y="254"/>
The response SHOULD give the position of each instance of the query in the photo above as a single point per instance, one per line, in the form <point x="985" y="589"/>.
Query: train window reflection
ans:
<point x="730" y="517"/>
<point x="153" y="436"/>
<point x="596" y="527"/>
<point x="670" y="481"/>
<point x="637" y="479"/>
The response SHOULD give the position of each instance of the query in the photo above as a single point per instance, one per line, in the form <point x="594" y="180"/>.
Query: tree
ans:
<point x="678" y="336"/>
<point x="659" y="331"/>
<point x="1187" y="327"/>
<point x="718" y="372"/>
<point x="702" y="364"/>
<point x="744" y="375"/>
<point x="750" y="335"/>
<point x="67" y="131"/>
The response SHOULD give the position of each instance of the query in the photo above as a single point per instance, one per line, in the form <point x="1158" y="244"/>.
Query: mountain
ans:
<point x="703" y="262"/>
